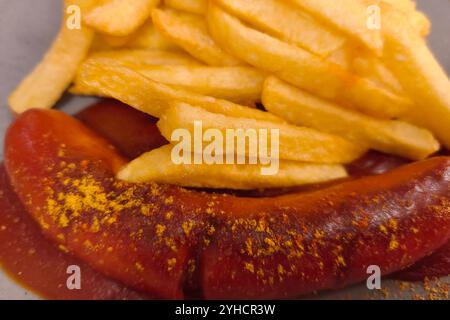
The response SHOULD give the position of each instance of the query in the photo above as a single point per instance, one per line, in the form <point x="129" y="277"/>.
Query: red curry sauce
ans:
<point x="37" y="264"/>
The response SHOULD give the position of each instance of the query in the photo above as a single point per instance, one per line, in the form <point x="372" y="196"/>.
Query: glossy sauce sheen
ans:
<point x="37" y="264"/>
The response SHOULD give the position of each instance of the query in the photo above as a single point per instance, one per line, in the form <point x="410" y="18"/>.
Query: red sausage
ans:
<point x="167" y="240"/>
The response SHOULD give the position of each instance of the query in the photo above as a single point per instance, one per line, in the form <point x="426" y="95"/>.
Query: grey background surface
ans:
<point x="27" y="28"/>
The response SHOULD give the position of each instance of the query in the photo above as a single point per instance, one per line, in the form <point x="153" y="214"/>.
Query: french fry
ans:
<point x="120" y="17"/>
<point x="295" y="143"/>
<point x="421" y="76"/>
<point x="373" y="68"/>
<point x="348" y="16"/>
<point x="78" y="89"/>
<point x="238" y="84"/>
<point x="191" y="6"/>
<point x="103" y="42"/>
<point x="137" y="58"/>
<point x="43" y="87"/>
<point x="417" y="19"/>
<point x="141" y="57"/>
<point x="113" y="79"/>
<point x="366" y="65"/>
<point x="421" y="23"/>
<point x="389" y="136"/>
<point x="278" y="18"/>
<point x="303" y="69"/>
<point x="191" y="33"/>
<point x="406" y="5"/>
<point x="342" y="57"/>
<point x="157" y="166"/>
<point x="147" y="37"/>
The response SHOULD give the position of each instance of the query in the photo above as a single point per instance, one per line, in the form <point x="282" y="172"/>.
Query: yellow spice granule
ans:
<point x="160" y="230"/>
<point x="393" y="244"/>
<point x="187" y="227"/>
<point x="393" y="224"/>
<point x="250" y="267"/>
<point x="171" y="263"/>
<point x="87" y="195"/>
<point x="383" y="229"/>
<point x="340" y="261"/>
<point x="168" y="200"/>
<point x="139" y="267"/>
<point x="169" y="215"/>
<point x="280" y="269"/>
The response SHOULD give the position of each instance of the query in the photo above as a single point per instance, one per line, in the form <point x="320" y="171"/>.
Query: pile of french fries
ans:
<point x="333" y="86"/>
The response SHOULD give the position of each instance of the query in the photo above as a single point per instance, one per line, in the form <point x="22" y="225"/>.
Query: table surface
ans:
<point x="27" y="28"/>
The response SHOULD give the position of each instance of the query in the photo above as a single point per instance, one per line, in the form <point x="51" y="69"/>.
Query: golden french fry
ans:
<point x="342" y="57"/>
<point x="120" y="17"/>
<point x="78" y="89"/>
<point x="301" y="108"/>
<point x="43" y="87"/>
<point x="417" y="19"/>
<point x="421" y="76"/>
<point x="278" y="18"/>
<point x="348" y="16"/>
<point x="295" y="143"/>
<point x="147" y="37"/>
<point x="157" y="166"/>
<point x="191" y="6"/>
<point x="374" y="69"/>
<point x="191" y="33"/>
<point x="147" y="57"/>
<point x="136" y="58"/>
<point x="402" y="4"/>
<point x="113" y="79"/>
<point x="421" y="23"/>
<point x="238" y="84"/>
<point x="366" y="65"/>
<point x="301" y="68"/>
<point x="104" y="42"/>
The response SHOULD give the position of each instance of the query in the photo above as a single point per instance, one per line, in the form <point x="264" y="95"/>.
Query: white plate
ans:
<point x="27" y="28"/>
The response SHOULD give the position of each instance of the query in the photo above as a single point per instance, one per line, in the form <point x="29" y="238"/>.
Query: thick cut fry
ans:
<point x="301" y="68"/>
<point x="238" y="84"/>
<point x="138" y="59"/>
<point x="191" y="33"/>
<point x="366" y="65"/>
<point x="148" y="57"/>
<point x="417" y="19"/>
<point x="402" y="4"/>
<point x="349" y="16"/>
<point x="301" y="108"/>
<point x="412" y="62"/>
<point x="191" y="6"/>
<point x="342" y="57"/>
<point x="420" y="22"/>
<point x="157" y="166"/>
<point x="374" y="69"/>
<point x="147" y="37"/>
<point x="278" y="18"/>
<point x="295" y="143"/>
<point x="43" y="87"/>
<point x="104" y="42"/>
<point x="112" y="79"/>
<point x="120" y="17"/>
